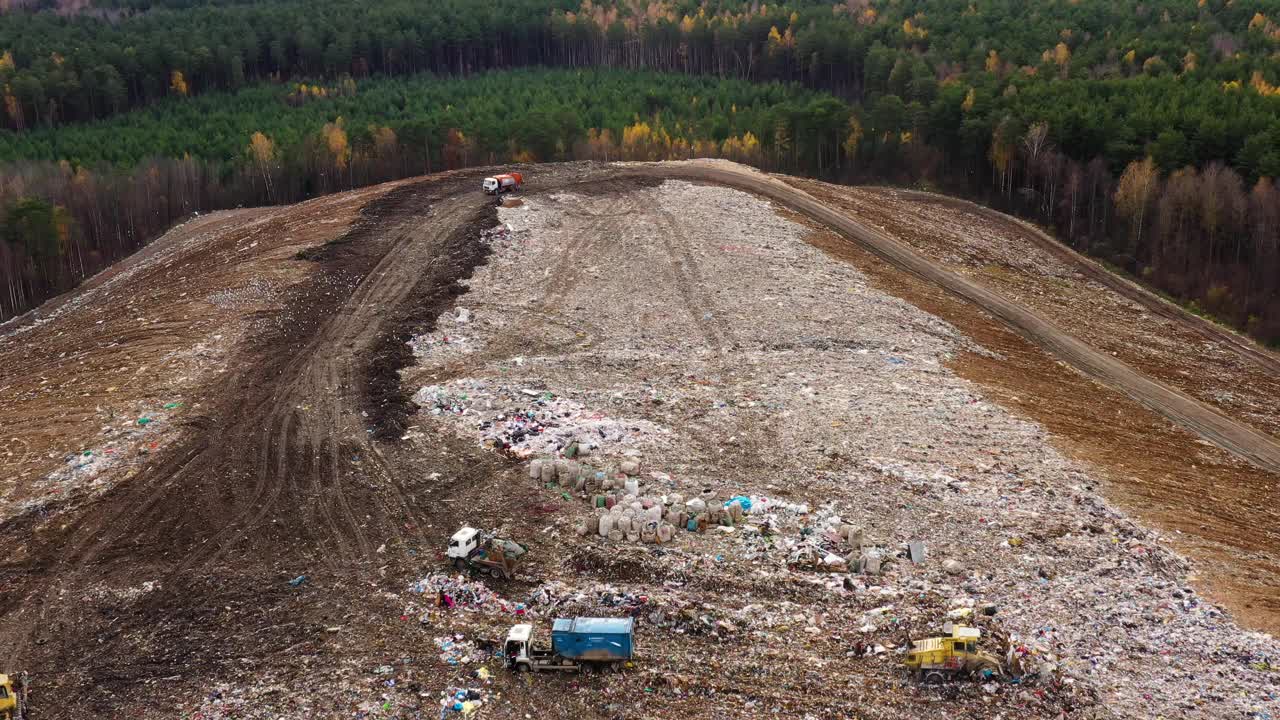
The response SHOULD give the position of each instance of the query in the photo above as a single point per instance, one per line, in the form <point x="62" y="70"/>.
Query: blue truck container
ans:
<point x="594" y="639"/>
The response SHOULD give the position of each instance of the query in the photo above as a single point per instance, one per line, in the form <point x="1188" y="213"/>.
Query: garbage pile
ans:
<point x="461" y="701"/>
<point x="498" y="234"/>
<point x="439" y="343"/>
<point x="525" y="421"/>
<point x="846" y="488"/>
<point x="457" y="650"/>
<point x="448" y="592"/>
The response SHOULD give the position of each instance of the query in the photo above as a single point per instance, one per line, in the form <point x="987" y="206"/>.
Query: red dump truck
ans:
<point x="507" y="182"/>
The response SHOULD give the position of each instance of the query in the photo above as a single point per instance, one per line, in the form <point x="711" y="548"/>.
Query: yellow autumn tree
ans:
<point x="852" y="138"/>
<point x="642" y="141"/>
<point x="1260" y="84"/>
<point x="263" y="153"/>
<point x="970" y="98"/>
<point x="1061" y="54"/>
<point x="178" y="83"/>
<point x="601" y="145"/>
<point x="993" y="61"/>
<point x="635" y="140"/>
<point x="1190" y="61"/>
<point x="1134" y="191"/>
<point x="13" y="109"/>
<point x="731" y="148"/>
<point x="335" y="138"/>
<point x="1004" y="146"/>
<point x="457" y="148"/>
<point x="384" y="140"/>
<point x="261" y="149"/>
<point x="776" y="40"/>
<point x="6" y="62"/>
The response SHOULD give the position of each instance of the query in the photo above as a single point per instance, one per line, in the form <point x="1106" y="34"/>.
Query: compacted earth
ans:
<point x="233" y="464"/>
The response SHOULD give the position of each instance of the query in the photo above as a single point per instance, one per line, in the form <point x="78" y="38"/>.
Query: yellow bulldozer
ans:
<point x="13" y="697"/>
<point x="935" y="660"/>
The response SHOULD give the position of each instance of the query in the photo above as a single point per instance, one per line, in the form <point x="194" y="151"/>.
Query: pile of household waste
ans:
<point x="622" y="511"/>
<point x="455" y="591"/>
<point x="457" y="650"/>
<point x="462" y="701"/>
<point x="527" y="422"/>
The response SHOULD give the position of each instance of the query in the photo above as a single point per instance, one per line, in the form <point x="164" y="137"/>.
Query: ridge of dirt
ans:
<point x="385" y="398"/>
<point x="1000" y="254"/>
<point x="1244" y="346"/>
<point x="51" y="307"/>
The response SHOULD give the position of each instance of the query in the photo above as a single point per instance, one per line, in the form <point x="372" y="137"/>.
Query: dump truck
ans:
<point x="471" y="549"/>
<point x="935" y="660"/>
<point x="576" y="644"/>
<point x="504" y="183"/>
<point x="13" y="697"/>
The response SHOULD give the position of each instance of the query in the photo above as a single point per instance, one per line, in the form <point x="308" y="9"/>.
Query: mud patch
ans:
<point x="386" y="400"/>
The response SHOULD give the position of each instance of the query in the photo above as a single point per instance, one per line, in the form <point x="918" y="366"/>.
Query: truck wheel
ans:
<point x="496" y="573"/>
<point x="460" y="564"/>
<point x="522" y="667"/>
<point x="934" y="678"/>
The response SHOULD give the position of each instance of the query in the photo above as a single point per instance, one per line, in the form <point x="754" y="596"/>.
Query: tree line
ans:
<point x="74" y="199"/>
<point x="1017" y="104"/>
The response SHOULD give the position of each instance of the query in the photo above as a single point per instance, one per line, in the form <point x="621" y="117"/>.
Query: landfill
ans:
<point x="855" y="493"/>
<point x="693" y="416"/>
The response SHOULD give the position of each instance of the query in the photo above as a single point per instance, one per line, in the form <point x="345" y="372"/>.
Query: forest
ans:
<point x="1145" y="133"/>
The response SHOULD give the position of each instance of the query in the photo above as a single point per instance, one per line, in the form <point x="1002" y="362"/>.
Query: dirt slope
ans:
<point x="291" y="453"/>
<point x="1213" y="365"/>
<point x="1258" y="448"/>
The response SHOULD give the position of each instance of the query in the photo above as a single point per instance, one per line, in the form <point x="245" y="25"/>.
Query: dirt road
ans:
<point x="269" y="473"/>
<point x="1094" y="271"/>
<point x="1260" y="449"/>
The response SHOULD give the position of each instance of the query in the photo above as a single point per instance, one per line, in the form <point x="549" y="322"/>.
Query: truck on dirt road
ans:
<point x="935" y="660"/>
<point x="504" y="183"/>
<point x="471" y="549"/>
<point x="576" y="644"/>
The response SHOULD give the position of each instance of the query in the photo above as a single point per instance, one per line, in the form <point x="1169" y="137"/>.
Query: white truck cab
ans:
<point x="490" y="185"/>
<point x="463" y="543"/>
<point x="516" y="648"/>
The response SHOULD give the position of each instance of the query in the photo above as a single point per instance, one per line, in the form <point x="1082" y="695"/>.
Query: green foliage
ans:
<point x="542" y="111"/>
<point x="38" y="227"/>
<point x="1108" y="75"/>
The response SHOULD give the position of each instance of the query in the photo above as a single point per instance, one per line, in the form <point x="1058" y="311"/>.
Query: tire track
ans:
<point x="688" y="277"/>
<point x="1255" y="447"/>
